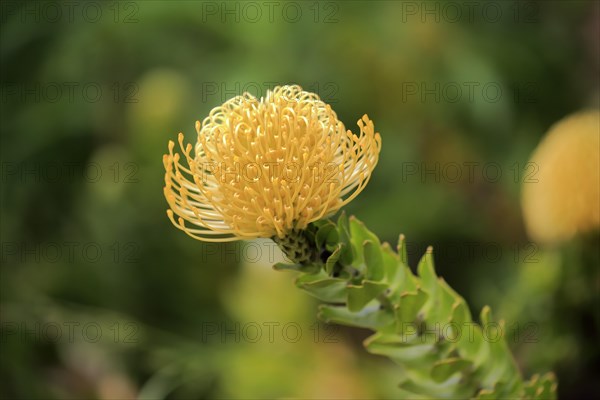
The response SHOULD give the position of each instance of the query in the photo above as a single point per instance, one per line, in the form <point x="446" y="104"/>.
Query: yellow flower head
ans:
<point x="565" y="198"/>
<point x="264" y="168"/>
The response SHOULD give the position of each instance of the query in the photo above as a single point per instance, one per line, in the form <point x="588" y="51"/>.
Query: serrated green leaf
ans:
<point x="438" y="309"/>
<point x="343" y="228"/>
<point x="499" y="373"/>
<point x="360" y="296"/>
<point x="402" y="249"/>
<point x="333" y="240"/>
<point x="460" y="313"/>
<point x="359" y="234"/>
<point x="471" y="344"/>
<point x="369" y="317"/>
<point x="395" y="339"/>
<point x="541" y="388"/>
<point x="407" y="309"/>
<point x="426" y="271"/>
<point x="444" y="369"/>
<point x="403" y="348"/>
<point x="501" y="370"/>
<point x="374" y="261"/>
<point x="333" y="259"/>
<point x="399" y="277"/>
<point x="391" y="264"/>
<point x="324" y="288"/>
<point x="323" y="233"/>
<point x="530" y="387"/>
<point x="485" y="316"/>
<point x="499" y="390"/>
<point x="433" y="390"/>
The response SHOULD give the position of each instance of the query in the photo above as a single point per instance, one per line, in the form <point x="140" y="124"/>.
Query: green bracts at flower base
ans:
<point x="420" y="322"/>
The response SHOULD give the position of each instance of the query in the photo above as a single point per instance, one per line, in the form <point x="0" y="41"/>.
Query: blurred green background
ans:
<point x="102" y="298"/>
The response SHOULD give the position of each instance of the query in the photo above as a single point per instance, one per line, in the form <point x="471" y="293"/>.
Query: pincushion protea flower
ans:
<point x="270" y="167"/>
<point x="564" y="200"/>
<point x="267" y="168"/>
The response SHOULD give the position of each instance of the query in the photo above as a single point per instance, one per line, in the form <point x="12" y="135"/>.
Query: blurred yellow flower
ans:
<point x="565" y="199"/>
<point x="265" y="168"/>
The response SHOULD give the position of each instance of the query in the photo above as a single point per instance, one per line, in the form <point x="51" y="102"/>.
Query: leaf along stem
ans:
<point x="419" y="321"/>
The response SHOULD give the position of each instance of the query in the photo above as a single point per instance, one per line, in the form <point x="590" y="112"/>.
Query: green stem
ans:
<point x="419" y="321"/>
